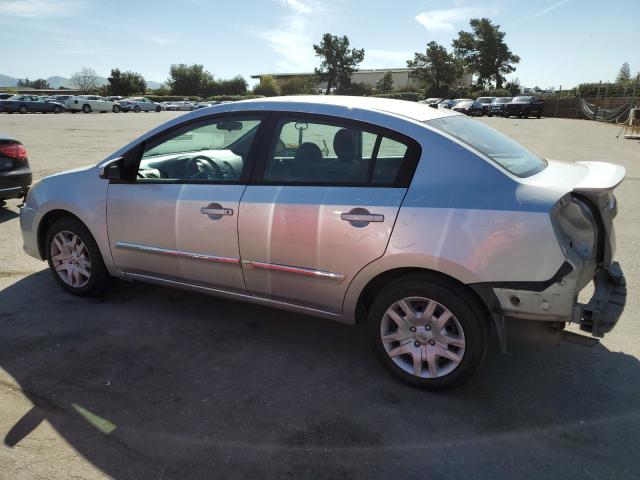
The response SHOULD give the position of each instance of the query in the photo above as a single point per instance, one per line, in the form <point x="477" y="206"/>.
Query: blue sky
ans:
<point x="561" y="42"/>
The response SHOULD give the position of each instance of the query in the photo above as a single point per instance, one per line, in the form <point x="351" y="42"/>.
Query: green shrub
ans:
<point x="267" y="87"/>
<point x="496" y="92"/>
<point x="298" y="86"/>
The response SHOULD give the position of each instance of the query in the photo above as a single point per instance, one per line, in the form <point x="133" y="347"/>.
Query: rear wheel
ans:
<point x="116" y="109"/>
<point x="426" y="333"/>
<point x="23" y="109"/>
<point x="86" y="108"/>
<point x="57" y="109"/>
<point x="74" y="258"/>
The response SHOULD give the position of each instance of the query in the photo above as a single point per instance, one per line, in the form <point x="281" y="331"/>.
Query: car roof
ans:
<point x="413" y="110"/>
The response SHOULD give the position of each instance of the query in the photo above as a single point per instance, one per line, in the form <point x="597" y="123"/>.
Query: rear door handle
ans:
<point x="361" y="217"/>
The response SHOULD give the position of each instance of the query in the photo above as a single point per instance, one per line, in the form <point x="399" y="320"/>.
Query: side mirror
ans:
<point x="111" y="169"/>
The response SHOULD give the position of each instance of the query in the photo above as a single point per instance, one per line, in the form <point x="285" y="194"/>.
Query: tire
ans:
<point x="136" y="109"/>
<point x="158" y="109"/>
<point x="90" y="285"/>
<point x="23" y="109"/>
<point x="489" y="115"/>
<point x="539" y="115"/>
<point x="466" y="323"/>
<point x="57" y="109"/>
<point x="116" y="109"/>
<point x="86" y="108"/>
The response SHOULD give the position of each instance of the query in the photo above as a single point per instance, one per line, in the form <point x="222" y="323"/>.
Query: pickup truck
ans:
<point x="524" y="107"/>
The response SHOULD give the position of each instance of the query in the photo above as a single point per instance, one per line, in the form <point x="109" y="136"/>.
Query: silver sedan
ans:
<point x="426" y="226"/>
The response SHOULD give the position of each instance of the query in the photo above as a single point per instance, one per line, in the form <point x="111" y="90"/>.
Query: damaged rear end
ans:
<point x="583" y="223"/>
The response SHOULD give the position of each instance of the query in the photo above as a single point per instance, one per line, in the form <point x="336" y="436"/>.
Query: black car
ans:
<point x="30" y="103"/>
<point x="486" y="102"/>
<point x="497" y="106"/>
<point x="524" y="107"/>
<point x="15" y="174"/>
<point x="472" y="108"/>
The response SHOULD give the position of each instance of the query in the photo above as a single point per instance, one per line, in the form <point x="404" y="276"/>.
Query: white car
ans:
<point x="139" y="104"/>
<point x="91" y="103"/>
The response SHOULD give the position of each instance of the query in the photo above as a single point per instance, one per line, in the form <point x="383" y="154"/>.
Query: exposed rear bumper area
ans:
<point x="603" y="311"/>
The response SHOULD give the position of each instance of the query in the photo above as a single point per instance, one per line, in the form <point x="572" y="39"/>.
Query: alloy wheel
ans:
<point x="71" y="259"/>
<point x="422" y="337"/>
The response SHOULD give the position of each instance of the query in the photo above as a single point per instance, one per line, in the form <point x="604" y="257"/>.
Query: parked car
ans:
<point x="59" y="98"/>
<point x="139" y="104"/>
<point x="430" y="101"/>
<point x="114" y="98"/>
<point x="427" y="226"/>
<point x="15" y="173"/>
<point x="4" y="96"/>
<point x="524" y="107"/>
<point x="486" y="103"/>
<point x="449" y="104"/>
<point x="30" y="103"/>
<point x="472" y="108"/>
<point x="497" y="106"/>
<point x="91" y="103"/>
<point x="206" y="104"/>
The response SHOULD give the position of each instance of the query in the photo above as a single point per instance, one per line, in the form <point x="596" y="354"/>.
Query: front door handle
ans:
<point x="361" y="217"/>
<point x="215" y="211"/>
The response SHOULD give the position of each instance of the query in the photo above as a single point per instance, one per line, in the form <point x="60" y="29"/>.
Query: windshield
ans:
<point x="502" y="100"/>
<point x="485" y="99"/>
<point x="522" y="99"/>
<point x="464" y="103"/>
<point x="501" y="149"/>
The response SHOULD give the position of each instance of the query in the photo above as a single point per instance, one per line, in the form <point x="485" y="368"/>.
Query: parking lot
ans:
<point x="153" y="383"/>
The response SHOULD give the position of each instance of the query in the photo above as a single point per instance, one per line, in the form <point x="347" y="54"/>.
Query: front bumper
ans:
<point x="603" y="311"/>
<point x="29" y="231"/>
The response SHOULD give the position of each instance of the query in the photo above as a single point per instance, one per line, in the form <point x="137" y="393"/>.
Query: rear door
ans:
<point x="321" y="206"/>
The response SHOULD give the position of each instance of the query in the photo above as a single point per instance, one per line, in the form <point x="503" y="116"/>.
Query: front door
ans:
<point x="178" y="219"/>
<point x="321" y="207"/>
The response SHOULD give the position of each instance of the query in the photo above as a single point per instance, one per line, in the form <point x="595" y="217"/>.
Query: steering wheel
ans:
<point x="202" y="166"/>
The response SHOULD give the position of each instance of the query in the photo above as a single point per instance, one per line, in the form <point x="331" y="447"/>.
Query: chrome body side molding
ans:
<point x="175" y="253"/>
<point x="338" y="277"/>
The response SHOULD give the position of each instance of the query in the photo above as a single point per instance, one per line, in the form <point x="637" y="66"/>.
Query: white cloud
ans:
<point x="544" y="11"/>
<point x="443" y="20"/>
<point x="293" y="44"/>
<point x="39" y="8"/>
<point x="298" y="5"/>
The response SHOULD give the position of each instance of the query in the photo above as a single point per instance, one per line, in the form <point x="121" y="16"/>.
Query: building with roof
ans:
<point x="371" y="76"/>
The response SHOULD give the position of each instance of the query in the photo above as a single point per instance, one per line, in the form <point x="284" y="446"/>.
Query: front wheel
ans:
<point x="116" y="109"/>
<point x="23" y="109"/>
<point x="158" y="109"/>
<point x="57" y="109"/>
<point x="74" y="258"/>
<point x="426" y="333"/>
<point x="86" y="108"/>
<point x="136" y="109"/>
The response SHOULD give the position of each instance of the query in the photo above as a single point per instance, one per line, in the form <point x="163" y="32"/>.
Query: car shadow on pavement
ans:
<point x="6" y="214"/>
<point x="151" y="383"/>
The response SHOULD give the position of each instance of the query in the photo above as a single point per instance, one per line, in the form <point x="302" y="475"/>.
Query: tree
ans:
<point x="485" y="52"/>
<point x="436" y="67"/>
<point x="338" y="61"/>
<point x="189" y="79"/>
<point x="514" y="86"/>
<point x="298" y="86"/>
<point x="358" y="89"/>
<point x="385" y="84"/>
<point x="86" y="79"/>
<point x="267" y="87"/>
<point x="624" y="75"/>
<point x="234" y="86"/>
<point x="39" y="84"/>
<point x="126" y="83"/>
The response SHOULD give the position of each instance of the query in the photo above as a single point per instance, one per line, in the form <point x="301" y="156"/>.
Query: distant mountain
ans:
<point x="7" y="81"/>
<point x="57" y="82"/>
